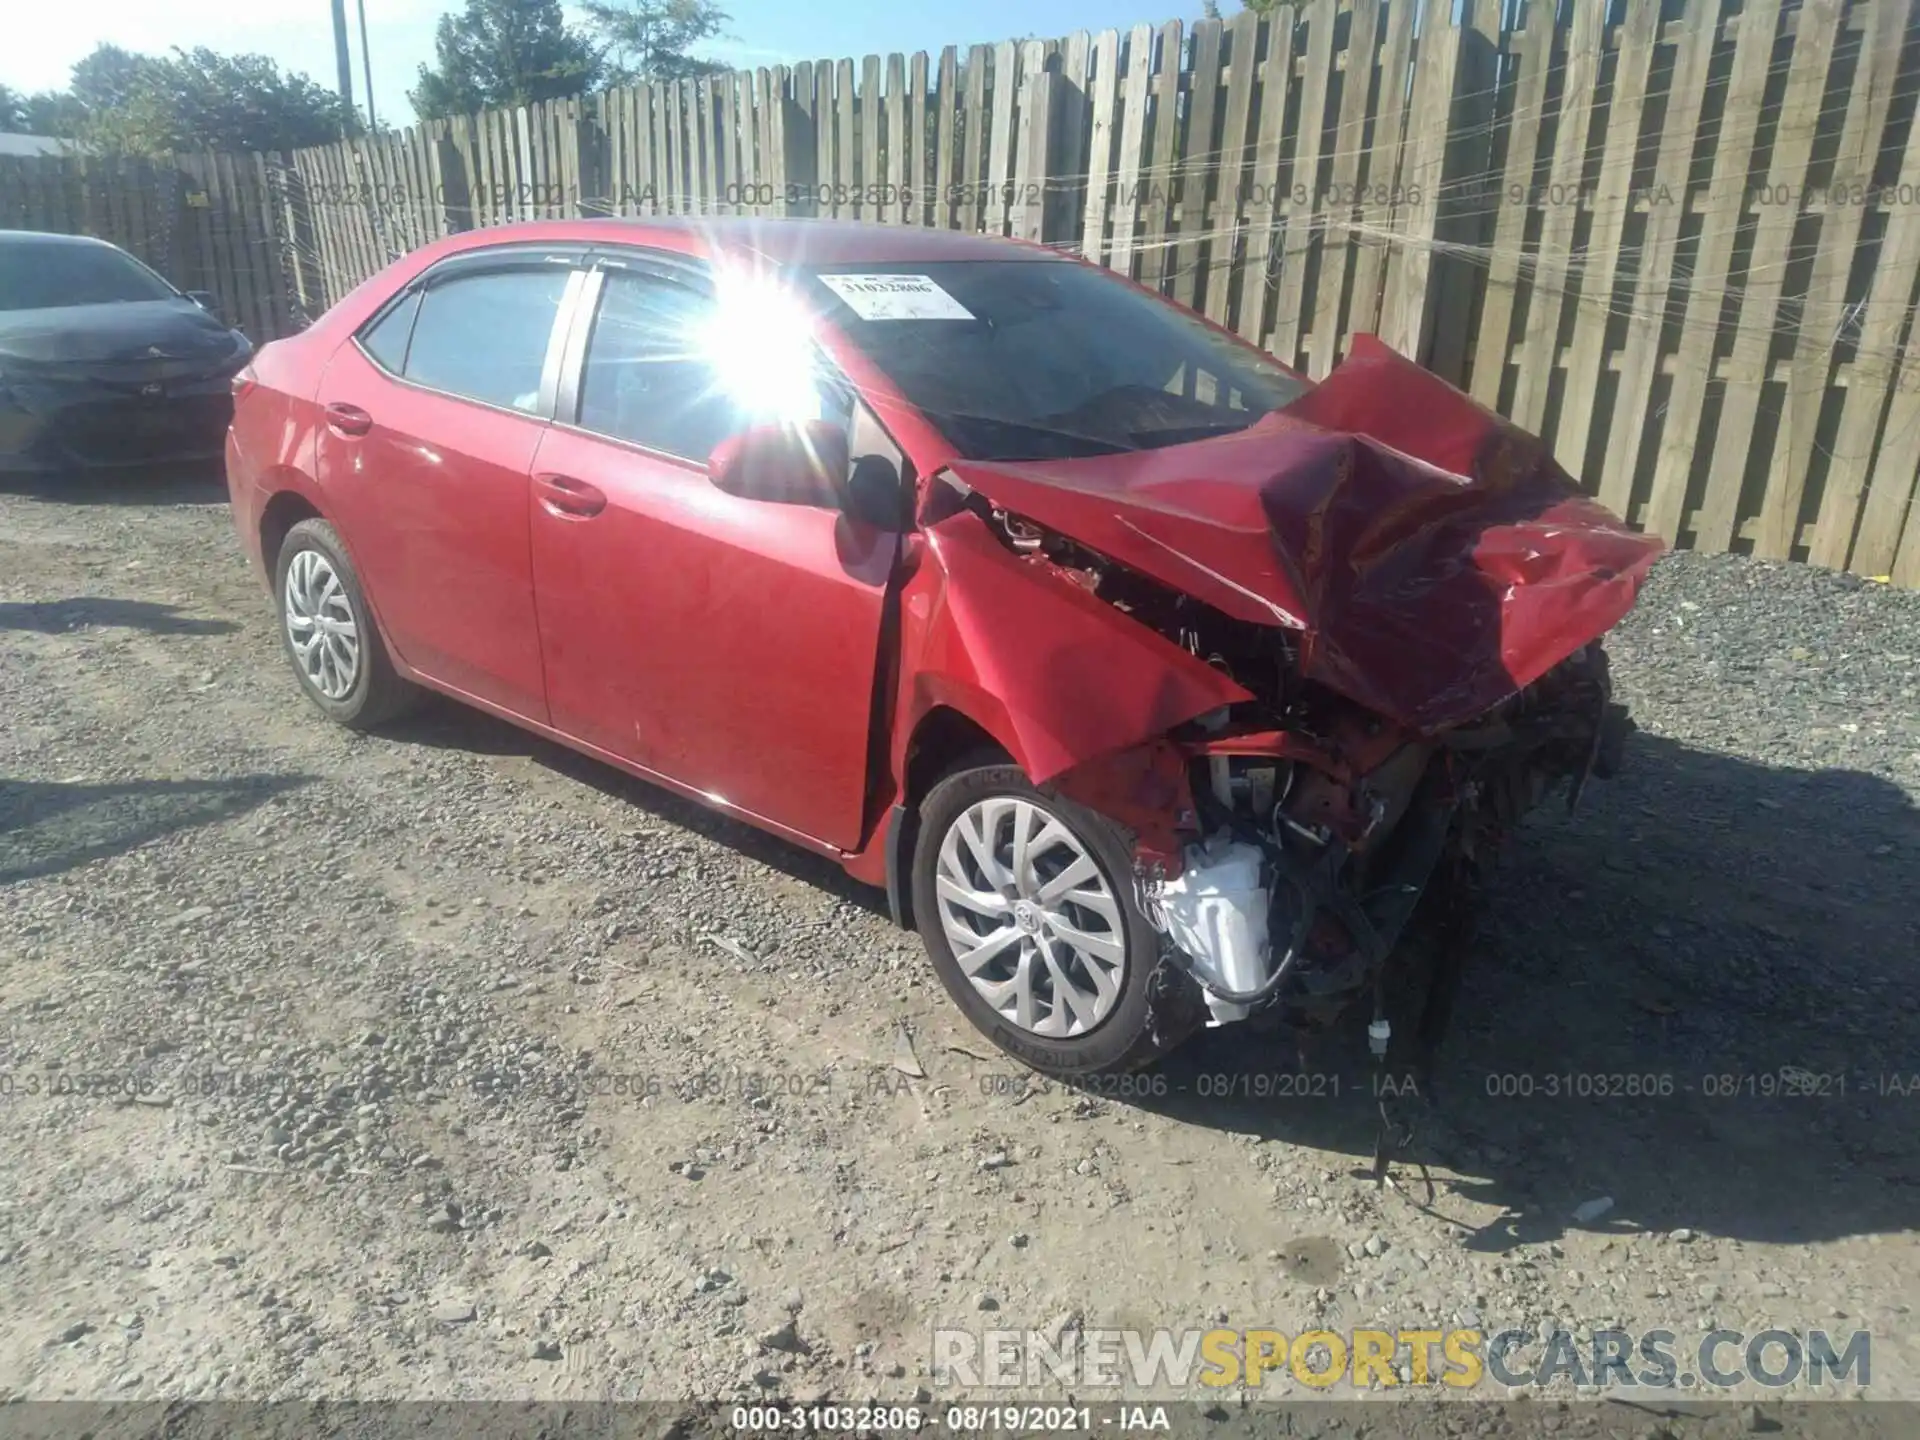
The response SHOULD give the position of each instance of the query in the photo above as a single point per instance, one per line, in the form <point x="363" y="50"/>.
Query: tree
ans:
<point x="189" y="100"/>
<point x="54" y="112"/>
<point x="49" y="112"/>
<point x="649" y="39"/>
<point x="108" y="78"/>
<point x="13" y="112"/>
<point x="504" y="52"/>
<point x="201" y="100"/>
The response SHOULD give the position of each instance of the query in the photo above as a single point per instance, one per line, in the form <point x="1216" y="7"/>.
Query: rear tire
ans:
<point x="1060" y="971"/>
<point x="328" y="632"/>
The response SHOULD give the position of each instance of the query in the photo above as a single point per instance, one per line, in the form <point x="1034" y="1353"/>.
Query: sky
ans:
<point x="44" y="40"/>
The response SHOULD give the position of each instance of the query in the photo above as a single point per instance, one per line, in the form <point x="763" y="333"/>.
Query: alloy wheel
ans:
<point x="1032" y="920"/>
<point x="320" y="625"/>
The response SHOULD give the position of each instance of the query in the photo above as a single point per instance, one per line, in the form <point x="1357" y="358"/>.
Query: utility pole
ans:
<point x="343" y="52"/>
<point x="366" y="62"/>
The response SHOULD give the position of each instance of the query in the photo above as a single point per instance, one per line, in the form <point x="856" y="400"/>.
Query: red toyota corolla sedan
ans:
<point x="1155" y="684"/>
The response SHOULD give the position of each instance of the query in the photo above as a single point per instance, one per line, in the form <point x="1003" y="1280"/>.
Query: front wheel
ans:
<point x="1026" y="903"/>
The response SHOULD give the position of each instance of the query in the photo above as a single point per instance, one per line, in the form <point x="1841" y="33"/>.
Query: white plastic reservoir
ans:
<point x="1217" y="913"/>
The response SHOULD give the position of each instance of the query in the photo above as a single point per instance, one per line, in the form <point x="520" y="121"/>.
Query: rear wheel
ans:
<point x="328" y="632"/>
<point x="1026" y="903"/>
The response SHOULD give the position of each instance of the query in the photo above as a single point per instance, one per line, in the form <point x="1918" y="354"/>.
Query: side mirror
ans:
<point x="877" y="496"/>
<point x="786" y="464"/>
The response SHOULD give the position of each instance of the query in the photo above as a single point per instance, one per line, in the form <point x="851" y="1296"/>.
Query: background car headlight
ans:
<point x="235" y="359"/>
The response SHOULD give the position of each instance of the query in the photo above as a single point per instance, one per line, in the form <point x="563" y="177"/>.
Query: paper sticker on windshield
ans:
<point x="895" y="297"/>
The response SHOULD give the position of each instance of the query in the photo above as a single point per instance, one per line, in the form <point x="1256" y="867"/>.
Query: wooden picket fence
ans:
<point x="1680" y="239"/>
<point x="206" y="222"/>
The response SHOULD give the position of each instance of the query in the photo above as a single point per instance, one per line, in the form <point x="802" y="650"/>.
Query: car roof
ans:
<point x="48" y="237"/>
<point x="778" y="241"/>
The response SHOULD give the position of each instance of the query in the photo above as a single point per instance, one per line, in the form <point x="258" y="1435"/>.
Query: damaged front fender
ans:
<point x="1057" y="675"/>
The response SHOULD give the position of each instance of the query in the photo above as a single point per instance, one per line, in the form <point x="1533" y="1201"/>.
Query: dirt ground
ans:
<point x="444" y="1064"/>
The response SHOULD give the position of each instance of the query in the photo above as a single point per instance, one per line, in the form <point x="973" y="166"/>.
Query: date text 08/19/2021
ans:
<point x="974" y="1419"/>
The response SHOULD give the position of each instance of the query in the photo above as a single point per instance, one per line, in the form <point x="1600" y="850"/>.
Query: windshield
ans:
<point x="1030" y="360"/>
<point x="46" y="275"/>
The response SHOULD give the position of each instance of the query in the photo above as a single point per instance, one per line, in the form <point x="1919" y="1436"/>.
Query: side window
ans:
<point x="485" y="336"/>
<point x="654" y="374"/>
<point x="644" y="378"/>
<point x="386" y="339"/>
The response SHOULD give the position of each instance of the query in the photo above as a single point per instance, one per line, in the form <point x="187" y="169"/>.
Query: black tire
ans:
<point x="1158" y="1005"/>
<point x="378" y="694"/>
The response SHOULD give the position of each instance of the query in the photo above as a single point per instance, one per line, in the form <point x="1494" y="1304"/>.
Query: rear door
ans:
<point x="724" y="643"/>
<point x="430" y="419"/>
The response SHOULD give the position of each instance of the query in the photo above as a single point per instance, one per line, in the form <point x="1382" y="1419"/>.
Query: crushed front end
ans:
<point x="1286" y="843"/>
<point x="1349" y="819"/>
<point x="1405" y="597"/>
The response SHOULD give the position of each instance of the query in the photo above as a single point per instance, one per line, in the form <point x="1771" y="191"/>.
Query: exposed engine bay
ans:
<point x="1307" y="829"/>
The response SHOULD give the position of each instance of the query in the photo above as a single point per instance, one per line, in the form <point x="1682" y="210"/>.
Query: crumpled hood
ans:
<point x="1434" y="557"/>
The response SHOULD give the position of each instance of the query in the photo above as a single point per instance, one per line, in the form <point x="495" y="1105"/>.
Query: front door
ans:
<point x="727" y="644"/>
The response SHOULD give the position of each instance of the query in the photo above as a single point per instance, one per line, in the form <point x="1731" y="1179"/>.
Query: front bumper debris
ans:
<point x="1216" y="911"/>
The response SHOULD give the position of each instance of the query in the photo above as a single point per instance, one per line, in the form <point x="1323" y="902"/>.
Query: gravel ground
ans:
<point x="446" y="1064"/>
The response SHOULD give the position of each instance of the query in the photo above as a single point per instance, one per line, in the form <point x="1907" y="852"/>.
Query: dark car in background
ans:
<point x="102" y="362"/>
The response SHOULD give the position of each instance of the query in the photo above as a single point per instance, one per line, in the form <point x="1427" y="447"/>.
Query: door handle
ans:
<point x="345" y="419"/>
<point x="570" y="498"/>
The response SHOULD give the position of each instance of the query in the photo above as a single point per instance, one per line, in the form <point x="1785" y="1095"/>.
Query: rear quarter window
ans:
<point x="485" y="336"/>
<point x="386" y="339"/>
